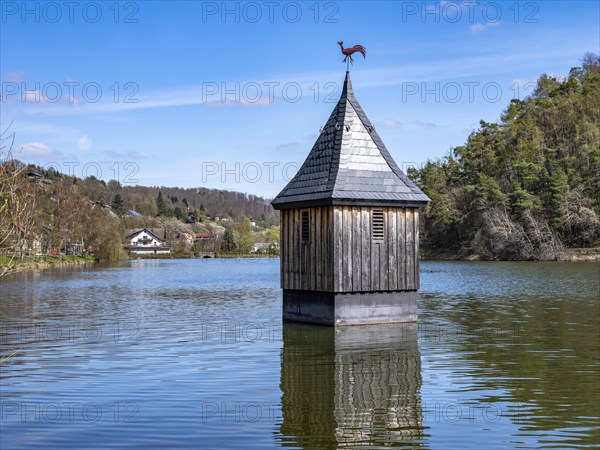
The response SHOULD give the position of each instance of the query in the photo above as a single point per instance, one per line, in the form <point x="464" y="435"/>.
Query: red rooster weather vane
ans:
<point x="350" y="50"/>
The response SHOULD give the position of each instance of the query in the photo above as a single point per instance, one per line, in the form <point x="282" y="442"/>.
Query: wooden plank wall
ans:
<point x="341" y="256"/>
<point x="307" y="265"/>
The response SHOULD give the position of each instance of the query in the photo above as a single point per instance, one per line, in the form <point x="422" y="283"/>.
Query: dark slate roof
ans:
<point x="349" y="164"/>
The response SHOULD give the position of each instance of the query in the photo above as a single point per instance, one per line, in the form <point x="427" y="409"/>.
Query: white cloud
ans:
<point x="37" y="150"/>
<point x="84" y="142"/>
<point x="480" y="27"/>
<point x="33" y="97"/>
<point x="477" y="27"/>
<point x="15" y="76"/>
<point x="74" y="101"/>
<point x="391" y="123"/>
<point x="522" y="87"/>
<point x="524" y="81"/>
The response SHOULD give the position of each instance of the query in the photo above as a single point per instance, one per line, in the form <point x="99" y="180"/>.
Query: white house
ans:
<point x="263" y="247"/>
<point x="147" y="242"/>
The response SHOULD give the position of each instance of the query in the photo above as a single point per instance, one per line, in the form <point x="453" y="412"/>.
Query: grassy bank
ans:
<point x="9" y="265"/>
<point x="245" y="255"/>
<point x="218" y="255"/>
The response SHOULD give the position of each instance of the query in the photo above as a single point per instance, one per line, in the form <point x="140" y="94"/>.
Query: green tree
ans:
<point x="178" y="213"/>
<point x="242" y="236"/>
<point x="118" y="204"/>
<point x="559" y="190"/>
<point x="161" y="206"/>
<point x="272" y="235"/>
<point x="228" y="243"/>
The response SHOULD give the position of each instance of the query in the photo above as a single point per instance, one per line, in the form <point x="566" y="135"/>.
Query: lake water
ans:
<point x="193" y="354"/>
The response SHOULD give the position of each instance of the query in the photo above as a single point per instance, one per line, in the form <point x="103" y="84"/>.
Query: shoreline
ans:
<point x="49" y="264"/>
<point x="36" y="265"/>
<point x="567" y="255"/>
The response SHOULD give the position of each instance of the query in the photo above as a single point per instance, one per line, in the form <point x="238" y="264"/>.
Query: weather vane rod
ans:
<point x="349" y="51"/>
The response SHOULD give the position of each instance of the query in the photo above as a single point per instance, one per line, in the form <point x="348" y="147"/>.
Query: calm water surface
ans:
<point x="193" y="354"/>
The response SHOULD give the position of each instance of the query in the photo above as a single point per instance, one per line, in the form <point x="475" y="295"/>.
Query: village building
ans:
<point x="147" y="241"/>
<point x="264" y="247"/>
<point x="207" y="245"/>
<point x="188" y="238"/>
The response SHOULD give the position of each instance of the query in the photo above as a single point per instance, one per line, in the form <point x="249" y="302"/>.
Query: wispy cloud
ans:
<point x="263" y="101"/>
<point x="288" y="146"/>
<point x="393" y="123"/>
<point x="422" y="124"/>
<point x="128" y="155"/>
<point x="451" y="68"/>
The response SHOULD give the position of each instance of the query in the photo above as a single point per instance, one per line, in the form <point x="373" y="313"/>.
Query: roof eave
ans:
<point x="349" y="202"/>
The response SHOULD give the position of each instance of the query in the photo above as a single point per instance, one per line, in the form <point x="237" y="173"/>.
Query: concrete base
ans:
<point x="364" y="308"/>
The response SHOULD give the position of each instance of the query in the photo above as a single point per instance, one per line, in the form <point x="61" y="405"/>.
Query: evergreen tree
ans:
<point x="178" y="212"/>
<point x="118" y="204"/>
<point x="228" y="243"/>
<point x="161" y="206"/>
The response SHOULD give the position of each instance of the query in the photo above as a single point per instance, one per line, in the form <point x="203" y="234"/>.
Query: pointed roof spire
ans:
<point x="349" y="165"/>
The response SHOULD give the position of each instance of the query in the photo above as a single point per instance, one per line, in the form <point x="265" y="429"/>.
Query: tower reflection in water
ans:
<point x="351" y="386"/>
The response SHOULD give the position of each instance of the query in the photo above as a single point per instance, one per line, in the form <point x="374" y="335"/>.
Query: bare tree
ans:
<point x="13" y="206"/>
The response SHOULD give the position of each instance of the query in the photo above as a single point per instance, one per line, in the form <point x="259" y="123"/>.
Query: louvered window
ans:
<point x="305" y="226"/>
<point x="377" y="225"/>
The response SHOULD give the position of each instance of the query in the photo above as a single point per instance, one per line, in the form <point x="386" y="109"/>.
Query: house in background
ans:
<point x="147" y="241"/>
<point x="260" y="247"/>
<point x="208" y="244"/>
<point x="184" y="237"/>
<point x="74" y="248"/>
<point x="264" y="247"/>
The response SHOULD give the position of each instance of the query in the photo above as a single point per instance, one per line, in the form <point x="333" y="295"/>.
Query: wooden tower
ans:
<point x="349" y="228"/>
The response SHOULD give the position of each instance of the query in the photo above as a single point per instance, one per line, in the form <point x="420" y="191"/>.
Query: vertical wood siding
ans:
<point x="340" y="254"/>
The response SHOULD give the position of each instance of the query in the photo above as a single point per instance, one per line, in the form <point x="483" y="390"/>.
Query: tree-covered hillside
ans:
<point x="526" y="187"/>
<point x="45" y="213"/>
<point x="154" y="201"/>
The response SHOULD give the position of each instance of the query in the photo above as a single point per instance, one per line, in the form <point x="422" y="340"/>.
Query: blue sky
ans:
<point x="232" y="95"/>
